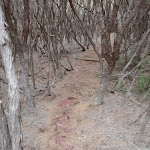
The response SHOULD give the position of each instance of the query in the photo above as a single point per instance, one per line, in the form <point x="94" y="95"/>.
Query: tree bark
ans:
<point x="23" y="56"/>
<point x="104" y="84"/>
<point x="5" y="140"/>
<point x="21" y="48"/>
<point x="13" y="88"/>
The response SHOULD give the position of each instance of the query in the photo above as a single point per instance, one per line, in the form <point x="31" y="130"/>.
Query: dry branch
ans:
<point x="136" y="9"/>
<point x="87" y="59"/>
<point x="143" y="125"/>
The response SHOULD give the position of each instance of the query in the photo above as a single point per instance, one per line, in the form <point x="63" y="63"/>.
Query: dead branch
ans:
<point x="87" y="59"/>
<point x="139" y="117"/>
<point x="86" y="32"/>
<point x="142" y="99"/>
<point x="146" y="52"/>
<point x="136" y="9"/>
<point x="135" y="101"/>
<point x="64" y="50"/>
<point x="136" y="52"/>
<point x="143" y="125"/>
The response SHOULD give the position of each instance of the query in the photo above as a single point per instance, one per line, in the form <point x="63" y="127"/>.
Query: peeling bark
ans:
<point x="5" y="140"/>
<point x="23" y="56"/>
<point x="13" y="89"/>
<point x="21" y="48"/>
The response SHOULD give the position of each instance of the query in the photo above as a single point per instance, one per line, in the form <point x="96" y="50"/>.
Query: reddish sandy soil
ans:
<point x="66" y="120"/>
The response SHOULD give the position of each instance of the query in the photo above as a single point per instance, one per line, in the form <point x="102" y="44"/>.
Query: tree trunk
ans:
<point x="104" y="84"/>
<point x="23" y="56"/>
<point x="5" y="140"/>
<point x="21" y="48"/>
<point x="13" y="88"/>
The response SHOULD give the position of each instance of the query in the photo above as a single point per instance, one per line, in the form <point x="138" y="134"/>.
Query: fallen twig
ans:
<point x="143" y="125"/>
<point x="88" y="59"/>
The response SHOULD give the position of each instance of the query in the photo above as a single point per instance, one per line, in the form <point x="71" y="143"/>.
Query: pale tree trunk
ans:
<point x="23" y="56"/>
<point x="21" y="47"/>
<point x="13" y="89"/>
<point x="5" y="140"/>
<point x="104" y="84"/>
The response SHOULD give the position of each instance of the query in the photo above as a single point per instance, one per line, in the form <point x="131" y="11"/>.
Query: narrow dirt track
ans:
<point x="66" y="121"/>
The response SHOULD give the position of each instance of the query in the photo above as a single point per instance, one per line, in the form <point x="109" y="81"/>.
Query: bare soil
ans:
<point x="67" y="121"/>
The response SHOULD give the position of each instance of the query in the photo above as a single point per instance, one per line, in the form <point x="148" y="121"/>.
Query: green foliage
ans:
<point x="143" y="84"/>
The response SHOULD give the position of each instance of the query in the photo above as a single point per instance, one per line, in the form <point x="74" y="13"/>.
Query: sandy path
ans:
<point x="67" y="122"/>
